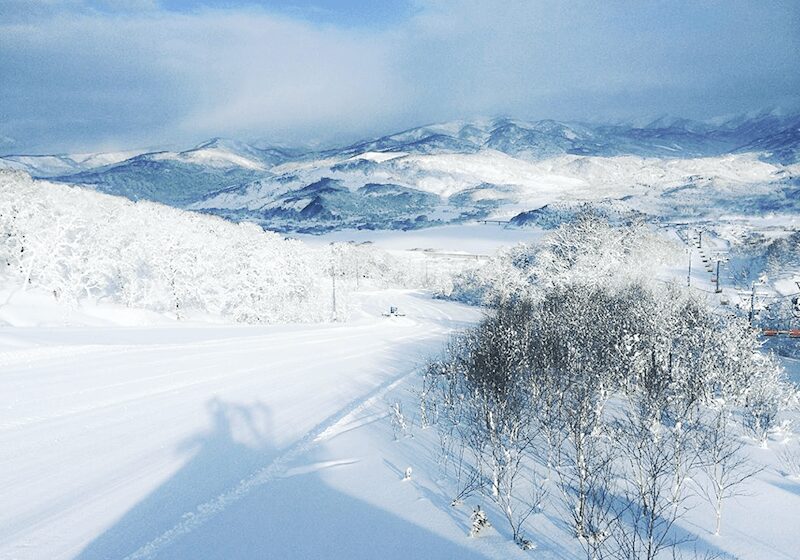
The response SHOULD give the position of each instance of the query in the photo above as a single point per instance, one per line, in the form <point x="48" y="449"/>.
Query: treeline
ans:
<point x="605" y="401"/>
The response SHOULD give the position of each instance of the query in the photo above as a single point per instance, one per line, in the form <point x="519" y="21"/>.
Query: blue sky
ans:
<point x="86" y="75"/>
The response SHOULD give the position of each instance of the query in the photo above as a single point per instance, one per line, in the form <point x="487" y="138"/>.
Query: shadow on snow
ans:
<point x="296" y="517"/>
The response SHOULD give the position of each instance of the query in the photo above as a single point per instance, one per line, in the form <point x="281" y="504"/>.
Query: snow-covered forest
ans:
<point x="81" y="246"/>
<point x="587" y="250"/>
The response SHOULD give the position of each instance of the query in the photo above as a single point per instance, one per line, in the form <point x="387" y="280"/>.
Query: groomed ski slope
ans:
<point x="127" y="441"/>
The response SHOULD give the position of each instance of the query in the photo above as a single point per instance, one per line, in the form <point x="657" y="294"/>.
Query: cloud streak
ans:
<point x="94" y="75"/>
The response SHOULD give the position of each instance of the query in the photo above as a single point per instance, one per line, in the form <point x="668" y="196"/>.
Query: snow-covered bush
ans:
<point x="724" y="464"/>
<point x="756" y="255"/>
<point x="479" y="521"/>
<point x="364" y="266"/>
<point x="496" y="281"/>
<point x="789" y="458"/>
<point x="399" y="423"/>
<point x="765" y="394"/>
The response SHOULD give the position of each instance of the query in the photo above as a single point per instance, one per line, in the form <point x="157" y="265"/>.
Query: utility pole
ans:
<point x="718" y="290"/>
<point x="333" y="280"/>
<point x="333" y="292"/>
<point x="700" y="239"/>
<point x="689" y="278"/>
<point x="752" y="303"/>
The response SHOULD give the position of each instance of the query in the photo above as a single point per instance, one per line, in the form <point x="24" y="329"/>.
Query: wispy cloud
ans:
<point x="91" y="74"/>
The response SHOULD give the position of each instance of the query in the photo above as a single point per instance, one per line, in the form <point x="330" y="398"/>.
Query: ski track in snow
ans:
<point x="276" y="469"/>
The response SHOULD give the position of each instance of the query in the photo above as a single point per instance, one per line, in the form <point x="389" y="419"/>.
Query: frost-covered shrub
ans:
<point x="789" y="458"/>
<point x="479" y="521"/>
<point x="494" y="282"/>
<point x="399" y="422"/>
<point x="765" y="394"/>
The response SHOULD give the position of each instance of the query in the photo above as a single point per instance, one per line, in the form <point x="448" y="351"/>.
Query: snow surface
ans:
<point x="109" y="437"/>
<point x="480" y="239"/>
<point x="378" y="156"/>
<point x="213" y="157"/>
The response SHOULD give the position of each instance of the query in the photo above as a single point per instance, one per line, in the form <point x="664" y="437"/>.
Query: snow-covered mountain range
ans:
<point x="464" y="170"/>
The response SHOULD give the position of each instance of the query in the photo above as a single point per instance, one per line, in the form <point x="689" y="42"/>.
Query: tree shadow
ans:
<point x="290" y="516"/>
<point x="685" y="541"/>
<point x="787" y="484"/>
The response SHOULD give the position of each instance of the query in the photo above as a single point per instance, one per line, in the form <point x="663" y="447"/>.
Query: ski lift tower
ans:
<point x="720" y="258"/>
<point x="762" y="279"/>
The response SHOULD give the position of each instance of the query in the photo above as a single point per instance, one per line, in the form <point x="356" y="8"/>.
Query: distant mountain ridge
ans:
<point x="666" y="136"/>
<point x="663" y="137"/>
<point x="442" y="173"/>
